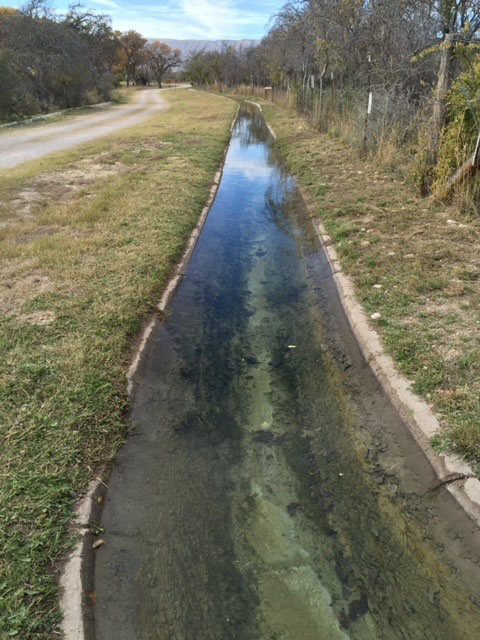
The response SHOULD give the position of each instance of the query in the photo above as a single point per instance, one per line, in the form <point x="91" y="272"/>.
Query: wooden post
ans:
<point x="320" y="101"/>
<point x="369" y="103"/>
<point x="333" y="106"/>
<point x="443" y="85"/>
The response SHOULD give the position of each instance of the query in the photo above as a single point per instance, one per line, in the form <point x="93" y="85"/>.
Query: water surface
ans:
<point x="268" y="490"/>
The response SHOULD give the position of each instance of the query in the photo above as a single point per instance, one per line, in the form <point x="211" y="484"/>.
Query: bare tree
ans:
<point x="161" y="58"/>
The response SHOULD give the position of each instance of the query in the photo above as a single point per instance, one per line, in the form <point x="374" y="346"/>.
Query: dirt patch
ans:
<point x="20" y="281"/>
<point x="177" y="162"/>
<point x="39" y="318"/>
<point x="39" y="232"/>
<point x="60" y="186"/>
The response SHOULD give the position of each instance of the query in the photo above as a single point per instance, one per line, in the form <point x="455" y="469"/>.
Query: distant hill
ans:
<point x="188" y="46"/>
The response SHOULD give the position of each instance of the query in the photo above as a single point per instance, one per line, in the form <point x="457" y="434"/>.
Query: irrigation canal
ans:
<point x="268" y="490"/>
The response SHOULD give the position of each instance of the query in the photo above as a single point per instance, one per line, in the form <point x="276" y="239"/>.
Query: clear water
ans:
<point x="267" y="489"/>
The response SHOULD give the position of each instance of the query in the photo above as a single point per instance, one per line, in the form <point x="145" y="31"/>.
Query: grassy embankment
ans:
<point x="87" y="241"/>
<point x="414" y="261"/>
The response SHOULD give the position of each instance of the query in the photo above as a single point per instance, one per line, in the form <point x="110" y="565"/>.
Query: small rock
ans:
<point x="451" y="222"/>
<point x="391" y="253"/>
<point x="376" y="316"/>
<point x="409" y="256"/>
<point x="365" y="243"/>
<point x="377" y="286"/>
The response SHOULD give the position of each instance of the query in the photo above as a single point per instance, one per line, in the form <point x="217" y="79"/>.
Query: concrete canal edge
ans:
<point x="451" y="471"/>
<point x="71" y="580"/>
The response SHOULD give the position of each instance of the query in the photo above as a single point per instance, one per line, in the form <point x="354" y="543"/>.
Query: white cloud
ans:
<point x="249" y="170"/>
<point x="158" y="27"/>
<point x="220" y="18"/>
<point x="106" y="3"/>
<point x="182" y="19"/>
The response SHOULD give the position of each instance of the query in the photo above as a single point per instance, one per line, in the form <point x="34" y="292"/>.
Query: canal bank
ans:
<point x="269" y="488"/>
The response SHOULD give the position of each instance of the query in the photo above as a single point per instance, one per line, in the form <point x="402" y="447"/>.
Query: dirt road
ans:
<point x="23" y="145"/>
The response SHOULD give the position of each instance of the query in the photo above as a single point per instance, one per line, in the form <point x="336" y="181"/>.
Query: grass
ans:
<point x="414" y="261"/>
<point x="81" y="266"/>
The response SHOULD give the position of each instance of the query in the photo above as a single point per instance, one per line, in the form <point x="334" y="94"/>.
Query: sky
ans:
<point x="182" y="19"/>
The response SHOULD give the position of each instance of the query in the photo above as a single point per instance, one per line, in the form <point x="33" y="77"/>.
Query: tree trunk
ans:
<point x="443" y="85"/>
<point x="320" y="99"/>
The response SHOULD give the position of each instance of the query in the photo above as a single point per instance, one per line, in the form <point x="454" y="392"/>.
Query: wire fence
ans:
<point x="391" y="126"/>
<point x="375" y="122"/>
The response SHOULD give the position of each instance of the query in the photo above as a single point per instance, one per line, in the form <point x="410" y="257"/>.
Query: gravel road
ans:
<point x="23" y="145"/>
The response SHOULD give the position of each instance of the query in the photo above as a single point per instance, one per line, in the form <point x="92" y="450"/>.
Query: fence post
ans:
<point x="369" y="103"/>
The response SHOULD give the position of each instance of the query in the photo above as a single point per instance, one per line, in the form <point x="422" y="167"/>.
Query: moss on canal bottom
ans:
<point x="336" y="537"/>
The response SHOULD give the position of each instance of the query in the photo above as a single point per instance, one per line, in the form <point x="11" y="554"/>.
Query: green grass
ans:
<point x="97" y="271"/>
<point x="409" y="262"/>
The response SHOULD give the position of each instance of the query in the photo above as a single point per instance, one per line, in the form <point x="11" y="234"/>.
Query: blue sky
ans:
<point x="198" y="19"/>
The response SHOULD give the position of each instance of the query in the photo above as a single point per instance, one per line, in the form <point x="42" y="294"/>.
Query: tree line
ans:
<point x="393" y="67"/>
<point x="348" y="41"/>
<point x="50" y="62"/>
